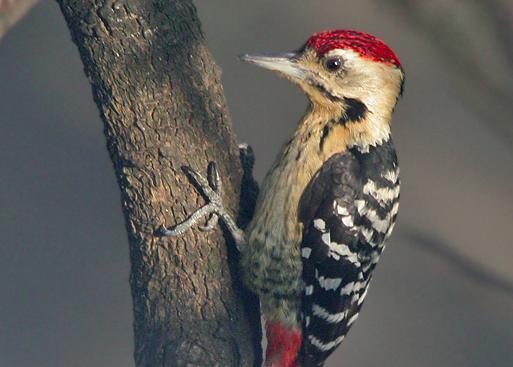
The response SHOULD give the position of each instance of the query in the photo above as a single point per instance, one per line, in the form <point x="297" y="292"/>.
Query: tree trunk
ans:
<point x="160" y="98"/>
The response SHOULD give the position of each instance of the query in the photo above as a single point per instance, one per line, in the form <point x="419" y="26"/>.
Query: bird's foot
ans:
<point x="211" y="188"/>
<point x="247" y="157"/>
<point x="249" y="186"/>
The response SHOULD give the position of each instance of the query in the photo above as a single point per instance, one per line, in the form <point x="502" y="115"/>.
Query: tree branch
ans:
<point x="159" y="94"/>
<point x="12" y="11"/>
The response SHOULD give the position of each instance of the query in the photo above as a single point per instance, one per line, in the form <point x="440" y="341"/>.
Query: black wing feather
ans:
<point x="347" y="211"/>
<point x="328" y="212"/>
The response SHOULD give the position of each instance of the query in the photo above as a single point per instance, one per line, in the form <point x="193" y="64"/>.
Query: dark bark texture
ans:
<point x="159" y="94"/>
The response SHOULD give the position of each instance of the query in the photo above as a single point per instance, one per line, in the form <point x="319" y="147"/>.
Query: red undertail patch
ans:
<point x="283" y="343"/>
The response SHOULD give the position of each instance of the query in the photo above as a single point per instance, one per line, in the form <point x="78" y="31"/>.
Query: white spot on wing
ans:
<point x="342" y="210"/>
<point x="375" y="257"/>
<point x="360" y="206"/>
<point x="383" y="195"/>
<point x="380" y="225"/>
<point x="332" y="318"/>
<point x="325" y="346"/>
<point x="305" y="252"/>
<point x="359" y="285"/>
<point x="367" y="233"/>
<point x="334" y="255"/>
<point x="309" y="290"/>
<point x="362" y="297"/>
<point x="348" y="221"/>
<point x="319" y="224"/>
<point x="352" y="319"/>
<point x="345" y="252"/>
<point x="390" y="229"/>
<point x="394" y="209"/>
<point x="326" y="238"/>
<point x="329" y="283"/>
<point x="347" y="289"/>
<point x="391" y="176"/>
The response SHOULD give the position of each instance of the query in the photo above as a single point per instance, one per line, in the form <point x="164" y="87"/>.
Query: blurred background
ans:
<point x="443" y="292"/>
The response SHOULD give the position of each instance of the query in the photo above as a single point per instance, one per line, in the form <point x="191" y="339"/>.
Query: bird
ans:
<point x="329" y="201"/>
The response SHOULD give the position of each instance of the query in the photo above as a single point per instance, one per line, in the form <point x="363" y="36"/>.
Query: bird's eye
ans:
<point x="333" y="64"/>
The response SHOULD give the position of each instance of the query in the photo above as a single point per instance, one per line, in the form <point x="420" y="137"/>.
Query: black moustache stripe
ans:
<point x="355" y="111"/>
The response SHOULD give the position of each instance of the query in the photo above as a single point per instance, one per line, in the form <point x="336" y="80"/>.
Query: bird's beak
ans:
<point x="284" y="63"/>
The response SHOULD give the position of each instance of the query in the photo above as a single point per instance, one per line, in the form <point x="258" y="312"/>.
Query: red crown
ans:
<point x="365" y="44"/>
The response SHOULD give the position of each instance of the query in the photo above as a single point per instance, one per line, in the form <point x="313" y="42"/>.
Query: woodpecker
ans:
<point x="329" y="201"/>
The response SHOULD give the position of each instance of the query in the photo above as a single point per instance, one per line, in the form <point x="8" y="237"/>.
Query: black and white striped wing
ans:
<point x="332" y="273"/>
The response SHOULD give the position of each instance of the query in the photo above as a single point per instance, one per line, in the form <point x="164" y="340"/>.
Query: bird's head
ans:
<point x="348" y="75"/>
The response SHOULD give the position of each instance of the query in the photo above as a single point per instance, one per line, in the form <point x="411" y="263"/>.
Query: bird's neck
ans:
<point x="350" y="123"/>
<point x="323" y="132"/>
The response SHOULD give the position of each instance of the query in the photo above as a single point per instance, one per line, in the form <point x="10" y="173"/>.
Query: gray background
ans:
<point x="442" y="295"/>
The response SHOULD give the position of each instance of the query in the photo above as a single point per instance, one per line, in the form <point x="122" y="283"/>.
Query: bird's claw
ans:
<point x="214" y="179"/>
<point x="211" y="188"/>
<point x="211" y="223"/>
<point x="247" y="155"/>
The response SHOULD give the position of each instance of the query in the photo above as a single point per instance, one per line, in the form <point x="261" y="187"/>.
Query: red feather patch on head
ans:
<point x="365" y="44"/>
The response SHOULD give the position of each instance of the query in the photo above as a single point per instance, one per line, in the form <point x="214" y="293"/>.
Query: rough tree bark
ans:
<point x="159" y="94"/>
